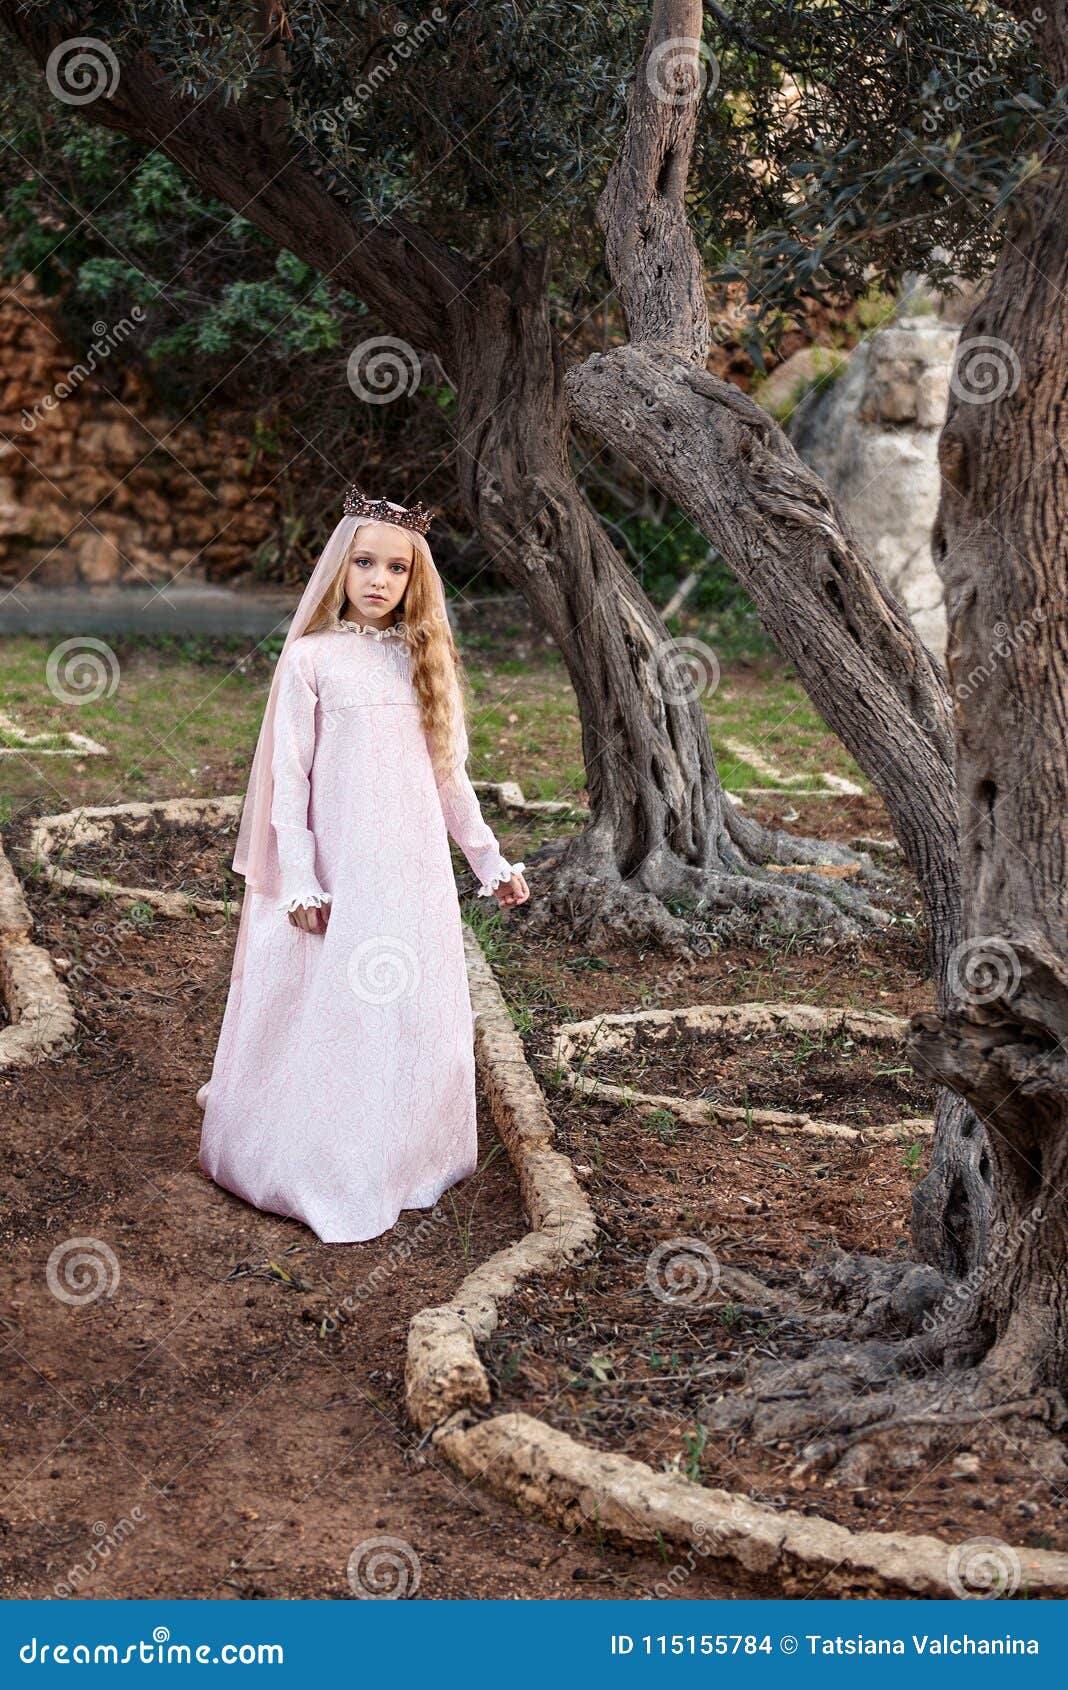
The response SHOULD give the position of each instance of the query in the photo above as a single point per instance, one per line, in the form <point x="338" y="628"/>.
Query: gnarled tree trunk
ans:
<point x="1001" y="547"/>
<point x="731" y="469"/>
<point x="662" y="827"/>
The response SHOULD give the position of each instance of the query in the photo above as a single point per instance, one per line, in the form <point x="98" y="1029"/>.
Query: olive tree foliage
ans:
<point x="839" y="143"/>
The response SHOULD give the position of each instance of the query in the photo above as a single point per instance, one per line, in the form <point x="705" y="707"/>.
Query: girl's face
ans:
<point x="378" y="572"/>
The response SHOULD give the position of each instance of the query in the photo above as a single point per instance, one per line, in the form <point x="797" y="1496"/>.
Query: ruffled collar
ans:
<point x="396" y="632"/>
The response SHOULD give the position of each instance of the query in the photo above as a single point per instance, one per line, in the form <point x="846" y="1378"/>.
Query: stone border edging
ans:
<point x="610" y="1032"/>
<point x="549" y="1474"/>
<point x="92" y="824"/>
<point x="42" y="1016"/>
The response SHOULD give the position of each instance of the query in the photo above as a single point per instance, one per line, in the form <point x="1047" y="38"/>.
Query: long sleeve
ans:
<point x="465" y="822"/>
<point x="294" y="751"/>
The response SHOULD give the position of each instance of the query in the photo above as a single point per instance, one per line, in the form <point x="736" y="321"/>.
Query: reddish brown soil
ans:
<point x="593" y="1351"/>
<point x="261" y="1440"/>
<point x="163" y="856"/>
<point x="832" y="1075"/>
<point x="264" y="1440"/>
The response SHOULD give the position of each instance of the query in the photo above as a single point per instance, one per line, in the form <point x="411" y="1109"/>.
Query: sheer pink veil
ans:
<point x="255" y="856"/>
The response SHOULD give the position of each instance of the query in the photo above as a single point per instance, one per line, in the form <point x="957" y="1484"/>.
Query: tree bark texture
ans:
<point x="1001" y="547"/>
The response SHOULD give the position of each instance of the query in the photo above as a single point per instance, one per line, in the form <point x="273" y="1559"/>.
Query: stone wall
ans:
<point x="96" y="485"/>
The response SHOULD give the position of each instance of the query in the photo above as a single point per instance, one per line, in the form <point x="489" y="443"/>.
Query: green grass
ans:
<point x="174" y="725"/>
<point x="184" y="717"/>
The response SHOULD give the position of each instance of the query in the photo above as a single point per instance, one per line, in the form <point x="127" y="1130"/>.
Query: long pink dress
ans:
<point x="343" y="1086"/>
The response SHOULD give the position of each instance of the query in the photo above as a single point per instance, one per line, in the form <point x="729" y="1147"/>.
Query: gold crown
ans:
<point x="418" y="518"/>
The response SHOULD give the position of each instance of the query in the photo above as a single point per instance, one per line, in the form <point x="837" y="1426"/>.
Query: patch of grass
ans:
<point x="184" y="717"/>
<point x="664" y="1124"/>
<point x="179" y="722"/>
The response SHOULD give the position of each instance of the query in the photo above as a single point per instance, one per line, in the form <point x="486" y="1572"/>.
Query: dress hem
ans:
<point x="365" y="1238"/>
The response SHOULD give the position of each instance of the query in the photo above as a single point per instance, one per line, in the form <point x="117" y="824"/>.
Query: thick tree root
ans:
<point x="681" y="909"/>
<point x="869" y="1377"/>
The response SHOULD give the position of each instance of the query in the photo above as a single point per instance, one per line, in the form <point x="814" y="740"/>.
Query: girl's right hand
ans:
<point x="310" y="918"/>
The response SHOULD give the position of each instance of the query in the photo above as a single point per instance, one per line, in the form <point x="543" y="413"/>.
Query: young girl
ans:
<point x="343" y="1087"/>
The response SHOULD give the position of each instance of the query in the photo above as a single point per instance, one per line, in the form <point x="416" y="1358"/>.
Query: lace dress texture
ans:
<point x="343" y="1086"/>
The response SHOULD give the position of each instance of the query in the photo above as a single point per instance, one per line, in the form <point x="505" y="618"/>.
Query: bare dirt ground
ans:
<point x="209" y="1412"/>
<point x="598" y="1353"/>
<point x="261" y="1438"/>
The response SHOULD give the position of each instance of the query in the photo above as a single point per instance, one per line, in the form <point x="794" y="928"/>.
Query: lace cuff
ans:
<point x="487" y="889"/>
<point x="305" y="900"/>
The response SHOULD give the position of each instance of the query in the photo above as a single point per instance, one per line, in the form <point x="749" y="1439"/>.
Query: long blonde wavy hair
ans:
<point x="437" y="671"/>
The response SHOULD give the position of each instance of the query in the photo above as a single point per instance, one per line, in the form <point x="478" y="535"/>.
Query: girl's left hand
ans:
<point x="514" y="891"/>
